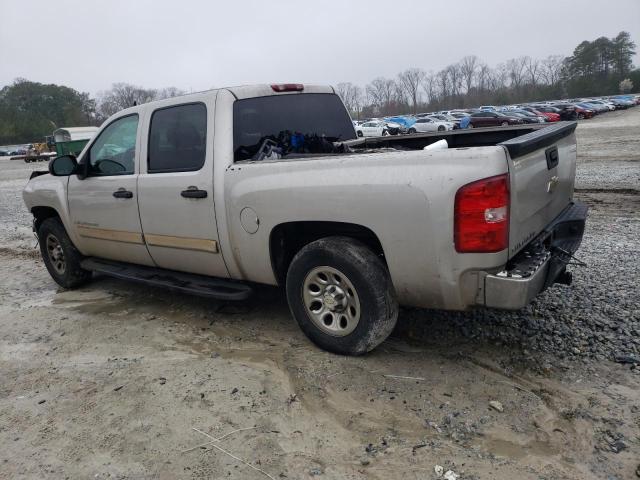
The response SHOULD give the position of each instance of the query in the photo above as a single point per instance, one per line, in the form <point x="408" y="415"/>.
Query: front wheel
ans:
<point x="441" y="128"/>
<point x="341" y="295"/>
<point x="412" y="130"/>
<point x="470" y="125"/>
<point x="60" y="255"/>
<point x="359" y="133"/>
<point x="505" y="124"/>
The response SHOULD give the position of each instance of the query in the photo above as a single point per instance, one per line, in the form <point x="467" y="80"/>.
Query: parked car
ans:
<point x="344" y="230"/>
<point x="442" y="117"/>
<point x="532" y="117"/>
<point x="374" y="128"/>
<point x="607" y="106"/>
<point x="567" y="111"/>
<point x="492" y="119"/>
<point x="596" y="107"/>
<point x="525" y="118"/>
<point x="552" y="113"/>
<point x="488" y="108"/>
<point x="583" y="112"/>
<point x="400" y="124"/>
<point x="430" y="125"/>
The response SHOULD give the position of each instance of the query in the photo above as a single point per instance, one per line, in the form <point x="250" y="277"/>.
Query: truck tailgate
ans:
<point x="542" y="168"/>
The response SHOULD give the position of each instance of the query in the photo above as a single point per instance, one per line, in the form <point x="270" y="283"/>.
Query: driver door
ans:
<point x="104" y="205"/>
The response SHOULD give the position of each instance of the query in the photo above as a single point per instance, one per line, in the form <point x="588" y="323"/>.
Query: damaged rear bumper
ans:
<point x="539" y="265"/>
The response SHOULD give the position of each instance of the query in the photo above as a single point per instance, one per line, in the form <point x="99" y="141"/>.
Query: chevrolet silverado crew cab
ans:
<point x="211" y="193"/>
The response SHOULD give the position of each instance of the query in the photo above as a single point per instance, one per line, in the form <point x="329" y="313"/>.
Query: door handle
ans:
<point x="122" y="193"/>
<point x="194" y="192"/>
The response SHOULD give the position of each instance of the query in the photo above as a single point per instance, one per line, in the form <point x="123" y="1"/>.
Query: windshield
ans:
<point x="279" y="125"/>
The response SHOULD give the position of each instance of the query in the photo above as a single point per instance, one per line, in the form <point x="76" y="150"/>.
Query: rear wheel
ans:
<point x="412" y="130"/>
<point x="581" y="116"/>
<point x="60" y="255"/>
<point x="359" y="133"/>
<point x="341" y="295"/>
<point x="441" y="128"/>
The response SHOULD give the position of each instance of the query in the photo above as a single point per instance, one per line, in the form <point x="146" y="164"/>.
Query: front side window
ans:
<point x="177" y="138"/>
<point x="114" y="151"/>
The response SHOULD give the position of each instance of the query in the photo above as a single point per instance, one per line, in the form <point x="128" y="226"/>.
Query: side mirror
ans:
<point x="63" y="166"/>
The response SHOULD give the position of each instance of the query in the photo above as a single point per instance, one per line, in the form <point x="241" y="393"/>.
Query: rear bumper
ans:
<point x="539" y="265"/>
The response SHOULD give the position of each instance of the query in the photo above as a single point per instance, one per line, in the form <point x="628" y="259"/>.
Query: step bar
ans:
<point x="199" y="285"/>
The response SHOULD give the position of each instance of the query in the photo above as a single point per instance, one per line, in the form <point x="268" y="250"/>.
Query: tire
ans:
<point x="441" y="128"/>
<point x="412" y="130"/>
<point x="359" y="133"/>
<point x="470" y="125"/>
<point x="504" y="124"/>
<point x="60" y="256"/>
<point x="385" y="133"/>
<point x="581" y="116"/>
<point x="356" y="307"/>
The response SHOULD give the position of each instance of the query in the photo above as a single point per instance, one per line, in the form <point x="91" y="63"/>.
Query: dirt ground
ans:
<point x="117" y="380"/>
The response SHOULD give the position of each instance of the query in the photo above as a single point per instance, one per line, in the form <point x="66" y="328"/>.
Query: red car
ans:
<point x="583" y="112"/>
<point x="546" y="112"/>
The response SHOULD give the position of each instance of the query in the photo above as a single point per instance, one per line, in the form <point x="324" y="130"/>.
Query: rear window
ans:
<point x="177" y="138"/>
<point x="281" y="125"/>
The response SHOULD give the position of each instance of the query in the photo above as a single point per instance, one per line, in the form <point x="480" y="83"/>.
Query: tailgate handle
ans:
<point x="552" y="157"/>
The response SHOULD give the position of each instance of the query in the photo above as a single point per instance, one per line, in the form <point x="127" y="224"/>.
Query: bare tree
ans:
<point x="552" y="69"/>
<point x="409" y="82"/>
<point x="121" y="96"/>
<point x="483" y="76"/>
<point x="516" y="71"/>
<point x="381" y="91"/>
<point x="168" y="92"/>
<point x="533" y="70"/>
<point x="430" y="87"/>
<point x="468" y="68"/>
<point x="351" y="95"/>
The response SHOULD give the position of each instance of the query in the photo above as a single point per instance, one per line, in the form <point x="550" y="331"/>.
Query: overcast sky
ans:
<point x="196" y="45"/>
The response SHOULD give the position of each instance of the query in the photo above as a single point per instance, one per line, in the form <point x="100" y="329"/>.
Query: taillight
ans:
<point x="287" y="87"/>
<point x="481" y="218"/>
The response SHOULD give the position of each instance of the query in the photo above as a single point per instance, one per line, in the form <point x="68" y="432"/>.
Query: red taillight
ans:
<point x="481" y="218"/>
<point x="287" y="87"/>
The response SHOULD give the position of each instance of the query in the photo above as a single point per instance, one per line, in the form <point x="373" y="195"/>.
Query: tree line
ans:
<point x="31" y="110"/>
<point x="600" y="67"/>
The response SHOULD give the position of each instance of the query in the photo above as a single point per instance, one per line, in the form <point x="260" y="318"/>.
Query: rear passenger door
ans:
<point x="175" y="188"/>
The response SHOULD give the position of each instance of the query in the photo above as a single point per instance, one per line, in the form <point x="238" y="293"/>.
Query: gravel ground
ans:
<point x="109" y="381"/>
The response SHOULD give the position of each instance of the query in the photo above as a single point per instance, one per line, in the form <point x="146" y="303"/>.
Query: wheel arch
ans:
<point x="40" y="214"/>
<point x="286" y="239"/>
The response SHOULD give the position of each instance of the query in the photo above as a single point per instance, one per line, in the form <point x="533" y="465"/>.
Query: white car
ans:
<point x="372" y="129"/>
<point x="430" y="125"/>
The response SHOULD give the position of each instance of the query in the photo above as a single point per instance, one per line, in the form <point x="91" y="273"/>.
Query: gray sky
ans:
<point x="199" y="44"/>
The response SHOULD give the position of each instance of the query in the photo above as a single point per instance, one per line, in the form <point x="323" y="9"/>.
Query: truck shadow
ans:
<point x="267" y="312"/>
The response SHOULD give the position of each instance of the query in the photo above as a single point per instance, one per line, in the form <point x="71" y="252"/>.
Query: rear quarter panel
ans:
<point x="405" y="198"/>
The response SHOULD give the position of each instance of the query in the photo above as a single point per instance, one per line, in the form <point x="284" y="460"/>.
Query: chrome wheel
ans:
<point x="331" y="301"/>
<point x="56" y="254"/>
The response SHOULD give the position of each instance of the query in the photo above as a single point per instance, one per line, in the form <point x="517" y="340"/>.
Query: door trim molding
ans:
<point x="111" y="235"/>
<point x="184" y="243"/>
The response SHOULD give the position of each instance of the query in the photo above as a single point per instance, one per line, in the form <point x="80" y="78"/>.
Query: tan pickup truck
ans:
<point x="212" y="192"/>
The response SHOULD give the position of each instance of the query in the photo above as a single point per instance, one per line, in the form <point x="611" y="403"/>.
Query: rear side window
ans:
<point x="177" y="138"/>
<point x="280" y="125"/>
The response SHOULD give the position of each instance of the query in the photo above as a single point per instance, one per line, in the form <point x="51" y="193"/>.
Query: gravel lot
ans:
<point x="112" y="380"/>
